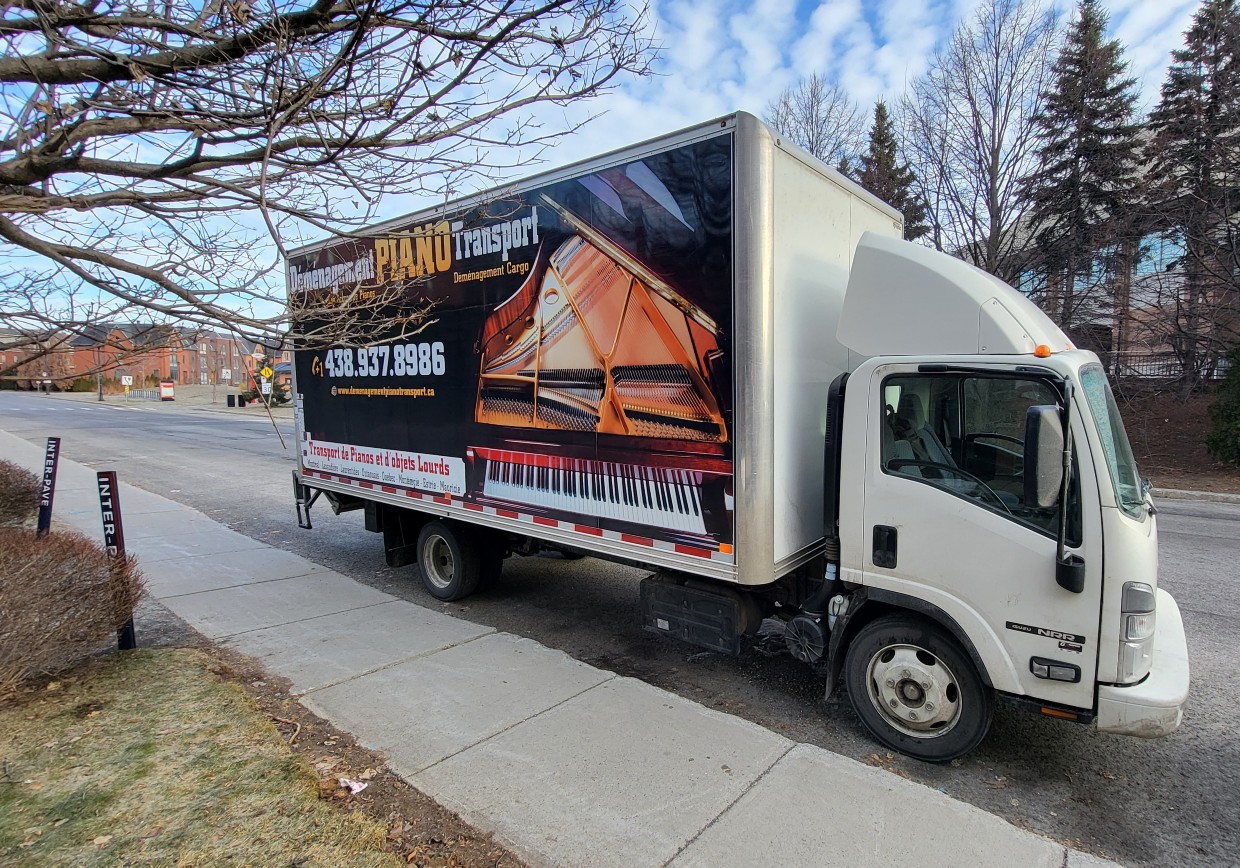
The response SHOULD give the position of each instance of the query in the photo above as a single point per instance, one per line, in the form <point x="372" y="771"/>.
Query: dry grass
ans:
<point x="19" y="495"/>
<point x="147" y="758"/>
<point x="61" y="599"/>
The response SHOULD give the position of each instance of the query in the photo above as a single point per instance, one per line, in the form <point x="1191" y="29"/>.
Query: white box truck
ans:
<point x="714" y="356"/>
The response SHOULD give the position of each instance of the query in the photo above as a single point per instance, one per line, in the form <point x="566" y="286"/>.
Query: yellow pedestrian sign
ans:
<point x="267" y="372"/>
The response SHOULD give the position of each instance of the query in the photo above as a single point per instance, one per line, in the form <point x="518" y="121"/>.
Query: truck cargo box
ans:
<point x="630" y="355"/>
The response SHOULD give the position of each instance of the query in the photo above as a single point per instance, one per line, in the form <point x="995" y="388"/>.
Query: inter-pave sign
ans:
<point x="51" y="458"/>
<point x="114" y="541"/>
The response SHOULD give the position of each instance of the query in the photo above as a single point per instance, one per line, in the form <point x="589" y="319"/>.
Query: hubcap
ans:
<point x="437" y="563"/>
<point x="914" y="690"/>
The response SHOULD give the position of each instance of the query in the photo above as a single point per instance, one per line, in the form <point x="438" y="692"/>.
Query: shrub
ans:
<point x="84" y="384"/>
<point x="1223" y="441"/>
<point x="61" y="599"/>
<point x="19" y="495"/>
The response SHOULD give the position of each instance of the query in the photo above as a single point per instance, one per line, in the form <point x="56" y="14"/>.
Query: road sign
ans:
<point x="266" y="388"/>
<point x="267" y="372"/>
<point x="126" y="381"/>
<point x="226" y="374"/>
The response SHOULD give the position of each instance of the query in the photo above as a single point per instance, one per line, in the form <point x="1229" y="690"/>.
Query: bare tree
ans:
<point x="821" y="118"/>
<point x="156" y="158"/>
<point x="969" y="133"/>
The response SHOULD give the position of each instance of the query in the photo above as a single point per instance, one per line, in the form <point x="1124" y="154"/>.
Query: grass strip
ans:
<point x="148" y="758"/>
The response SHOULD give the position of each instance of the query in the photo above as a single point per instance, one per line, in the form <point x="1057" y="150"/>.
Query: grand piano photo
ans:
<point x="603" y="388"/>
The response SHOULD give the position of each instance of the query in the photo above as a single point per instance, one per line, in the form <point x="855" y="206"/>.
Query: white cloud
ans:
<point x="1150" y="32"/>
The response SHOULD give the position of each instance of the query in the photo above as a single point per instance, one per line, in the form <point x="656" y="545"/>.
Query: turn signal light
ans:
<point x="1042" y="351"/>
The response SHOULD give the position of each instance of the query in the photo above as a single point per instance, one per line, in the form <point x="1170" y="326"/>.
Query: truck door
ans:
<point x="945" y="521"/>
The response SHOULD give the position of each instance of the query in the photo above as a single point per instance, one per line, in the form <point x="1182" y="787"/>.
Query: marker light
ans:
<point x="1042" y="351"/>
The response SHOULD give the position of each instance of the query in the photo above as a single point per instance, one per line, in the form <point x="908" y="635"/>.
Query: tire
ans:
<point x="916" y="690"/>
<point x="449" y="563"/>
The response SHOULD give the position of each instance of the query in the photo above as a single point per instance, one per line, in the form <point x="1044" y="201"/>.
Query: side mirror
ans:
<point x="1043" y="470"/>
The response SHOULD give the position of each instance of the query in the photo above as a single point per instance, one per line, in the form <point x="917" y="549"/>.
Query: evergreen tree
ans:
<point x="1194" y="164"/>
<point x="1084" y="187"/>
<point x="1223" y="441"/>
<point x="883" y="175"/>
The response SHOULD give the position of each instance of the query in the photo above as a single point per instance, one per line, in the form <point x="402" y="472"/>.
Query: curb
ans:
<point x="1211" y="496"/>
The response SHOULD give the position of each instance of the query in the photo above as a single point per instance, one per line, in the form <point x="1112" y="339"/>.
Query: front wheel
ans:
<point x="449" y="564"/>
<point x="916" y="690"/>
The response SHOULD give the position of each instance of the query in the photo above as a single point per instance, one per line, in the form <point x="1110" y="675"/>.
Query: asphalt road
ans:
<point x="1171" y="801"/>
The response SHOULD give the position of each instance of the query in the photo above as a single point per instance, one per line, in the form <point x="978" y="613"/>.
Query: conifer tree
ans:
<point x="1194" y="164"/>
<point x="895" y="183"/>
<point x="1084" y="187"/>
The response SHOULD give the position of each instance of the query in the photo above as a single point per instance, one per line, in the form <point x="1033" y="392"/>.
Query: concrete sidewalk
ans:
<point x="565" y="763"/>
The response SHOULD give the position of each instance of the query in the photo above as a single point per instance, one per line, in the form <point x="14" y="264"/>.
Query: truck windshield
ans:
<point x="1120" y="463"/>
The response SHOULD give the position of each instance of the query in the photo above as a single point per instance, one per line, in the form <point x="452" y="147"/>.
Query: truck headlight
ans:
<point x="1136" y="652"/>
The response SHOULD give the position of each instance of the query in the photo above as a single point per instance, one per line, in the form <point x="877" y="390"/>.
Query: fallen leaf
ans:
<point x="52" y="685"/>
<point x="1110" y="776"/>
<point x="326" y="764"/>
<point x="997" y="784"/>
<point x="102" y="840"/>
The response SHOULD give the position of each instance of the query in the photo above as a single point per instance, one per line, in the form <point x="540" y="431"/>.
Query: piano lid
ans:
<point x="594" y="342"/>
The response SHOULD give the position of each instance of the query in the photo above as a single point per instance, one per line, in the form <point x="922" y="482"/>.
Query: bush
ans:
<point x="62" y="598"/>
<point x="84" y="384"/>
<point x="19" y="495"/>
<point x="1223" y="441"/>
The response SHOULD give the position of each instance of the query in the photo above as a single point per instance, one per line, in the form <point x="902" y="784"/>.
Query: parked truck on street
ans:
<point x="713" y="356"/>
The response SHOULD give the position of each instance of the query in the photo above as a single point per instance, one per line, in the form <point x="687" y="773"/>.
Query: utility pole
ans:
<point x="98" y="351"/>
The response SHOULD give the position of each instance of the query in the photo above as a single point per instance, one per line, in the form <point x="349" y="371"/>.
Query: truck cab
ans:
<point x="994" y="532"/>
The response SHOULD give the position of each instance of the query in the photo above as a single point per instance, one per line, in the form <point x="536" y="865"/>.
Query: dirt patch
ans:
<point x="1168" y="437"/>
<point x="420" y="830"/>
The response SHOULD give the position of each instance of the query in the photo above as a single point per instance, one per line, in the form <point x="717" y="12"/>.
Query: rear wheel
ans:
<point x="916" y="690"/>
<point x="447" y="560"/>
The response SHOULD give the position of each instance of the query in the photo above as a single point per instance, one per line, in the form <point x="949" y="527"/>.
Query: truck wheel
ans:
<point x="449" y="564"/>
<point x="916" y="690"/>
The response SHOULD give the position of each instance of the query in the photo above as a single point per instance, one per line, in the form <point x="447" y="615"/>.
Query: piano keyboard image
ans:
<point x="664" y="497"/>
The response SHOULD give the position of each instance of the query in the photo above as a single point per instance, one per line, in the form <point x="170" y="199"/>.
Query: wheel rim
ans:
<point x="437" y="564"/>
<point x="915" y="692"/>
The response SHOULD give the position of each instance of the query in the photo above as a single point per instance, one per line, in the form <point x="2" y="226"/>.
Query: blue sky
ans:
<point x="723" y="55"/>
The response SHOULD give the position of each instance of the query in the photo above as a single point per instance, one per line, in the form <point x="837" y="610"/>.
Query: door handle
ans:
<point x="884" y="546"/>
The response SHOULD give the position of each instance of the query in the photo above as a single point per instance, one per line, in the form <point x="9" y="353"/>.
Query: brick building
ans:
<point x="149" y="353"/>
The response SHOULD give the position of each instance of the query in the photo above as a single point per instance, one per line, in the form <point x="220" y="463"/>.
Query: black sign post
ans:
<point x="51" y="456"/>
<point x="114" y="542"/>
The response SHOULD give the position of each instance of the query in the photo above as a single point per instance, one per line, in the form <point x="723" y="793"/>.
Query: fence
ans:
<point x="1161" y="367"/>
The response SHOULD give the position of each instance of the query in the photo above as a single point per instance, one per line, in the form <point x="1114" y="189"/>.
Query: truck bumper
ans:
<point x="1154" y="707"/>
